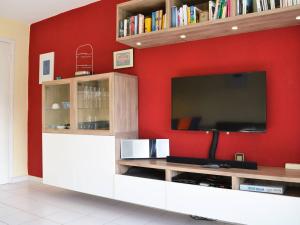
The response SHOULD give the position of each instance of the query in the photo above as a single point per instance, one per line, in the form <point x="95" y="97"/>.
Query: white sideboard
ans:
<point x="86" y="163"/>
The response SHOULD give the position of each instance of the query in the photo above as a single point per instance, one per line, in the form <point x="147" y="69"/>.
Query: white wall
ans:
<point x="19" y="33"/>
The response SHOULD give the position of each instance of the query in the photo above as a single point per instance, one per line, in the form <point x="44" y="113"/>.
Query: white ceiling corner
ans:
<point x="31" y="11"/>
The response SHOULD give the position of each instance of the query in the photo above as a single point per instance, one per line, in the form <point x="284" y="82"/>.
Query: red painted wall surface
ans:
<point x="275" y="51"/>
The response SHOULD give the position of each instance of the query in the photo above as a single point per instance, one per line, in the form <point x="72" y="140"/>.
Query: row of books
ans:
<point x="210" y="10"/>
<point x="184" y="15"/>
<point x="249" y="6"/>
<point x="139" y="24"/>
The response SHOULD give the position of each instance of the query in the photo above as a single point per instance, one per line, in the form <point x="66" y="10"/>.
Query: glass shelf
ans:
<point x="93" y="105"/>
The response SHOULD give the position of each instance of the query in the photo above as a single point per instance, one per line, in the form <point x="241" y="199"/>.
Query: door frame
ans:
<point x="11" y="107"/>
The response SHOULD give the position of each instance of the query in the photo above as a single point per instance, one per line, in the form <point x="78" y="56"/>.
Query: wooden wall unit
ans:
<point x="103" y="104"/>
<point x="257" y="21"/>
<point x="84" y="160"/>
<point x="230" y="205"/>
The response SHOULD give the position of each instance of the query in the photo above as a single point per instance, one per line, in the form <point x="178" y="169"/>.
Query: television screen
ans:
<point x="230" y="102"/>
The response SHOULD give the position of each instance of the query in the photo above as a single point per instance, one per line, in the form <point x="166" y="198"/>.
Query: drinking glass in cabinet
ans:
<point x="93" y="105"/>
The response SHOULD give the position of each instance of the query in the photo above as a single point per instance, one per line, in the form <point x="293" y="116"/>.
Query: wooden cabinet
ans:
<point x="84" y="120"/>
<point x="101" y="104"/>
<point x="256" y="21"/>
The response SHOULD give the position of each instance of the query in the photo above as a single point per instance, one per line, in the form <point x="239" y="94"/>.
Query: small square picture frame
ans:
<point x="123" y="59"/>
<point x="239" y="157"/>
<point x="46" y="70"/>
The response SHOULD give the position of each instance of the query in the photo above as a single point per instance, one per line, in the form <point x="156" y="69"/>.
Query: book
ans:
<point x="128" y="26"/>
<point x="272" y="4"/>
<point x="224" y="9"/>
<point x="157" y="21"/>
<point x="164" y="21"/>
<point x="263" y="187"/>
<point x="132" y="25"/>
<point x="148" y="24"/>
<point x="125" y="27"/>
<point x="160" y="19"/>
<point x="141" y="23"/>
<point x="153" y="21"/>
<point x="192" y="15"/>
<point x="184" y="15"/>
<point x="121" y="28"/>
<point x="174" y="17"/>
<point x="136" y="24"/>
<point x="216" y="10"/>
<point x="188" y="15"/>
<point x="211" y="6"/>
<point x="258" y="6"/>
<point x="180" y="17"/>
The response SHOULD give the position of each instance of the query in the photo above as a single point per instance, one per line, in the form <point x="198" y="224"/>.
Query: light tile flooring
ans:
<point x="32" y="203"/>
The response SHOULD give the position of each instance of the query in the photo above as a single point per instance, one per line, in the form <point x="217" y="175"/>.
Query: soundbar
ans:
<point x="213" y="163"/>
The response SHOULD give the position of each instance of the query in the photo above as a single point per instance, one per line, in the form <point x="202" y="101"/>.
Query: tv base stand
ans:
<point x="217" y="163"/>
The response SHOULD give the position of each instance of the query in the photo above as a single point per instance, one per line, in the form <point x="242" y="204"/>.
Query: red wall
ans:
<point x="276" y="51"/>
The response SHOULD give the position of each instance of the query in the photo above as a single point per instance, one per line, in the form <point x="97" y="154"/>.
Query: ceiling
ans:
<point x="31" y="11"/>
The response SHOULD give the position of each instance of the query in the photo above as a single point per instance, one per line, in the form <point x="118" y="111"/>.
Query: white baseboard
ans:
<point x="36" y="179"/>
<point x="25" y="178"/>
<point x="18" y="179"/>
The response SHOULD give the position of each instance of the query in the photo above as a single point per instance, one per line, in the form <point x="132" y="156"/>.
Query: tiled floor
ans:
<point x="32" y="203"/>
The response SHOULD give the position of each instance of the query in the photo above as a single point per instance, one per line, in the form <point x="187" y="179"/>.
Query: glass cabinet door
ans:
<point x="93" y="105"/>
<point x="57" y="107"/>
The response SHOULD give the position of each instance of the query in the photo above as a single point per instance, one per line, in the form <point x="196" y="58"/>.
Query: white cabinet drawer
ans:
<point x="232" y="205"/>
<point x="83" y="163"/>
<point x="141" y="191"/>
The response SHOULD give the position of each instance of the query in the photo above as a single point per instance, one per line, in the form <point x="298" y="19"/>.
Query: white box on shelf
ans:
<point x="144" y="148"/>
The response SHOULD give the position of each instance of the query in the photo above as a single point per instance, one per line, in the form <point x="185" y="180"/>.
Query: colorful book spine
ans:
<point x="125" y="27"/>
<point x="174" y="16"/>
<point x="132" y="25"/>
<point x="136" y="24"/>
<point x="121" y="28"/>
<point x="180" y="17"/>
<point x="160" y="19"/>
<point x="188" y="15"/>
<point x="164" y="21"/>
<point x="153" y="21"/>
<point x="212" y="6"/>
<point x="185" y="17"/>
<point x="148" y="24"/>
<point x="216" y="10"/>
<point x="141" y="23"/>
<point x="157" y="21"/>
<point x="229" y="8"/>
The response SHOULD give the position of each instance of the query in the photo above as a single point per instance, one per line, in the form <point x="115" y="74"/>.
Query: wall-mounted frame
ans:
<point x="46" y="67"/>
<point x="123" y="59"/>
<point x="239" y="157"/>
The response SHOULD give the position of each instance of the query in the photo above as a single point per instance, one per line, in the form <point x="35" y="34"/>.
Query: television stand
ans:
<point x="211" y="161"/>
<point x="207" y="162"/>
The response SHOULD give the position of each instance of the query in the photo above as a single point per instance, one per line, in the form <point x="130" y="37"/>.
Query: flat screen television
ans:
<point x="230" y="102"/>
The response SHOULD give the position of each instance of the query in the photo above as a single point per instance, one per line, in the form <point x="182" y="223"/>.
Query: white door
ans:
<point x="5" y="73"/>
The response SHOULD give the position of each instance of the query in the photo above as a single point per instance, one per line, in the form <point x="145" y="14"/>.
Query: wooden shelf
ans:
<point x="258" y="21"/>
<point x="263" y="173"/>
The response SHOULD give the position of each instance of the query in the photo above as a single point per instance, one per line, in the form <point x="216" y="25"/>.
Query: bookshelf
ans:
<point x="251" y="22"/>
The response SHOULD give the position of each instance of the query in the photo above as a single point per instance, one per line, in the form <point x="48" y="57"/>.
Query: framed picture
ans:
<point x="46" y="67"/>
<point x="123" y="59"/>
<point x="239" y="157"/>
